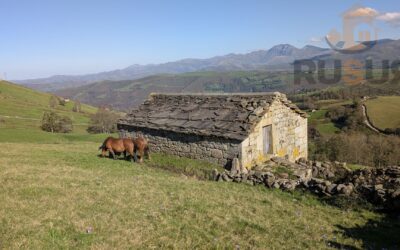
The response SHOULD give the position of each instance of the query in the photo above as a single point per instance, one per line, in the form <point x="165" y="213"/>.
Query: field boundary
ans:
<point x="368" y="122"/>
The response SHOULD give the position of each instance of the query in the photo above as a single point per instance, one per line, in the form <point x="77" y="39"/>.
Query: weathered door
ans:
<point x="267" y="139"/>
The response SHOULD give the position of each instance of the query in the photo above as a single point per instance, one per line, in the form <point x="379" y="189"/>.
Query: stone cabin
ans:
<point x="220" y="127"/>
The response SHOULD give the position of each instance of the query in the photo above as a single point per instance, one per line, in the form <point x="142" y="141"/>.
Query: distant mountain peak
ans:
<point x="282" y="50"/>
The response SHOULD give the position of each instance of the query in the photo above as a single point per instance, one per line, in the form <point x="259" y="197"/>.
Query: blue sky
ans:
<point x="43" y="38"/>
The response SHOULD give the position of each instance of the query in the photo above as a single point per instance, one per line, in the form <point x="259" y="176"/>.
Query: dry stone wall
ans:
<point x="212" y="149"/>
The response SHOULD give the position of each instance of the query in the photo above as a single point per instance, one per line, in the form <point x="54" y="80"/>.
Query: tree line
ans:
<point x="103" y="121"/>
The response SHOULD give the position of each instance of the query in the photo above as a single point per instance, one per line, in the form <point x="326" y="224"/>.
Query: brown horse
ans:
<point x="118" y="146"/>
<point x="141" y="148"/>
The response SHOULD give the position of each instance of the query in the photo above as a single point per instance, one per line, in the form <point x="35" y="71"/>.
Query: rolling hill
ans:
<point x="123" y="95"/>
<point x="21" y="111"/>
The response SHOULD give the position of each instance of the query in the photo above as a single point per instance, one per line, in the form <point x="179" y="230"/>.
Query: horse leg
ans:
<point x="135" y="155"/>
<point x="147" y="153"/>
<point x="130" y="155"/>
<point x="141" y="155"/>
<point x="112" y="153"/>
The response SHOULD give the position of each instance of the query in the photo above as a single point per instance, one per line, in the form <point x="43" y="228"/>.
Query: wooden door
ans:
<point x="267" y="139"/>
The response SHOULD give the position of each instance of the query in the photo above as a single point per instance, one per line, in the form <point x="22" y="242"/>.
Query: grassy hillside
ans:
<point x="56" y="193"/>
<point x="384" y="111"/>
<point x="22" y="108"/>
<point x="64" y="196"/>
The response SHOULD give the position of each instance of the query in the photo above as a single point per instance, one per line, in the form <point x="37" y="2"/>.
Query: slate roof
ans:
<point x="231" y="116"/>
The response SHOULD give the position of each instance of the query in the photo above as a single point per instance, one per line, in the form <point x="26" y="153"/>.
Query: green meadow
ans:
<point x="384" y="111"/>
<point x="57" y="193"/>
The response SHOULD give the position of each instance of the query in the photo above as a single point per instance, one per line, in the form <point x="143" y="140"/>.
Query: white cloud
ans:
<point x="361" y="12"/>
<point x="392" y="18"/>
<point x="316" y="39"/>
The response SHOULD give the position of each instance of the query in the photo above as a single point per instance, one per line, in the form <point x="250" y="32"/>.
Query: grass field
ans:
<point x="64" y="196"/>
<point x="324" y="125"/>
<point x="384" y="111"/>
<point x="56" y="193"/>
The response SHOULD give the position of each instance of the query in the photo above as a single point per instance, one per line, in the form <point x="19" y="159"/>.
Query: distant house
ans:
<point x="220" y="127"/>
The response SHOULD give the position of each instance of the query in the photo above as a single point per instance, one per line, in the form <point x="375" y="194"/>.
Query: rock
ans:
<point x="217" y="153"/>
<point x="225" y="177"/>
<point x="235" y="169"/>
<point x="259" y="110"/>
<point x="396" y="194"/>
<point x="315" y="172"/>
<point x="269" y="181"/>
<point x="283" y="175"/>
<point x="215" y="175"/>
<point x="326" y="165"/>
<point x="244" y="177"/>
<point x="340" y="187"/>
<point x="344" y="189"/>
<point x="331" y="189"/>
<point x="317" y="164"/>
<point x="302" y="160"/>
<point x="317" y="181"/>
<point x="330" y="174"/>
<point x="308" y="174"/>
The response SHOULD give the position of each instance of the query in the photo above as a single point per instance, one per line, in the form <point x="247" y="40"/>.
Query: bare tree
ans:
<point x="104" y="121"/>
<point x="53" y="102"/>
<point x="77" y="107"/>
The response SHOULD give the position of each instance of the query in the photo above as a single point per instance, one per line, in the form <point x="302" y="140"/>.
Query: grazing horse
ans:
<point x="118" y="146"/>
<point x="141" y="147"/>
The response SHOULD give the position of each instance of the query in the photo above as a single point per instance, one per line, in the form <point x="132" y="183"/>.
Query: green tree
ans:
<point x="51" y="122"/>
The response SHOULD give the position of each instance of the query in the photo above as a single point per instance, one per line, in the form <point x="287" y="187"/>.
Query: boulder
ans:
<point x="235" y="169"/>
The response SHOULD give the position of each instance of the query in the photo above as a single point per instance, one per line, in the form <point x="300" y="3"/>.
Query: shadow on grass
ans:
<point x="375" y="234"/>
<point x="118" y="157"/>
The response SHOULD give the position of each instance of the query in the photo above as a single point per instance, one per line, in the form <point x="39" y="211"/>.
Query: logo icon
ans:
<point x="357" y="22"/>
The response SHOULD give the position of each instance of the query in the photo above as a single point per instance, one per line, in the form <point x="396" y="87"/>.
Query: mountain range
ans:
<point x="278" y="57"/>
<point x="263" y="70"/>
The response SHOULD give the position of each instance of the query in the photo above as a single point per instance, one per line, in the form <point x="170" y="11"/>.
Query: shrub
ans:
<point x="359" y="148"/>
<point x="104" y="121"/>
<point x="51" y="122"/>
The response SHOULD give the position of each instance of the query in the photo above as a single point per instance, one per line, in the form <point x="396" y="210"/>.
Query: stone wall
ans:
<point x="289" y="136"/>
<point x="215" y="150"/>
